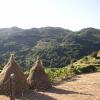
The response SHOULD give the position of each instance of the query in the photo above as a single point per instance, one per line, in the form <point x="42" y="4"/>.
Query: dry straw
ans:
<point x="37" y="78"/>
<point x="20" y="81"/>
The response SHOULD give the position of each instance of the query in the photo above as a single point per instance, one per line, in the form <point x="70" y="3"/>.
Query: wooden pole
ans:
<point x="12" y="86"/>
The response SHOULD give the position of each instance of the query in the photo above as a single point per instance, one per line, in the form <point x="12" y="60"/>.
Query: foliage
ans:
<point x="86" y="69"/>
<point x="57" y="47"/>
<point x="87" y="64"/>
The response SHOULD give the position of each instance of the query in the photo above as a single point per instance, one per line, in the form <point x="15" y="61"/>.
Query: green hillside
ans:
<point x="87" y="64"/>
<point x="57" y="47"/>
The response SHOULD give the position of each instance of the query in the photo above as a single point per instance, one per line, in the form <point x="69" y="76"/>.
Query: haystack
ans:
<point x="38" y="79"/>
<point x="20" y="83"/>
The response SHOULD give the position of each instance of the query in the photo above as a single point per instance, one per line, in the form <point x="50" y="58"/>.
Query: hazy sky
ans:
<point x="69" y="14"/>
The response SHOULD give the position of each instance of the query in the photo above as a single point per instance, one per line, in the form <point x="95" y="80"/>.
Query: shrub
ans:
<point x="56" y="74"/>
<point x="86" y="69"/>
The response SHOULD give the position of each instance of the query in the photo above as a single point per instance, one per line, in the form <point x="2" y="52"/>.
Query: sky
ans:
<point x="68" y="14"/>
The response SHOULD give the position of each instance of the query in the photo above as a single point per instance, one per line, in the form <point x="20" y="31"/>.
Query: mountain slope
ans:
<point x="56" y="46"/>
<point x="90" y="63"/>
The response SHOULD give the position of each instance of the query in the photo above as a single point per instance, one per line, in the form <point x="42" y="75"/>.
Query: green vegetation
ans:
<point x="87" y="64"/>
<point x="85" y="69"/>
<point x="57" y="47"/>
<point x="58" y="74"/>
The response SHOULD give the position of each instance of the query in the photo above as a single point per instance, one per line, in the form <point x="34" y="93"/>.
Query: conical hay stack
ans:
<point x="19" y="79"/>
<point x="38" y="79"/>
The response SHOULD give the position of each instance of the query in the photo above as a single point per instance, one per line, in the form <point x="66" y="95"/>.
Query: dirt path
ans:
<point x="83" y="87"/>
